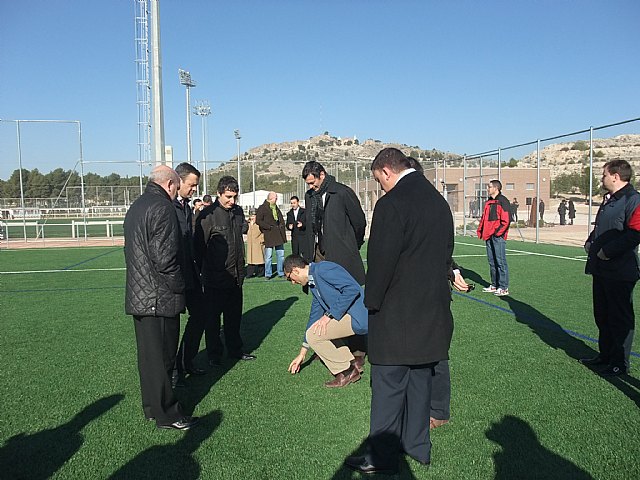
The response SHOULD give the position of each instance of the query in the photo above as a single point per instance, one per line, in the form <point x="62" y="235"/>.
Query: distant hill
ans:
<point x="279" y="165"/>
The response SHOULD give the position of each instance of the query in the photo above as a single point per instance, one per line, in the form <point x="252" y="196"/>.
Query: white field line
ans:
<point x="579" y="258"/>
<point x="68" y="270"/>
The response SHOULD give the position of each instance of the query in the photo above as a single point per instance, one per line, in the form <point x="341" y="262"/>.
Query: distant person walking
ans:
<point x="612" y="249"/>
<point x="493" y="229"/>
<point x="541" y="210"/>
<point x="572" y="211"/>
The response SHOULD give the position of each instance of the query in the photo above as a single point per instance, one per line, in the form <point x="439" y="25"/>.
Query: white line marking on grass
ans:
<point x="66" y="270"/>
<point x="484" y="255"/>
<point x="575" y="259"/>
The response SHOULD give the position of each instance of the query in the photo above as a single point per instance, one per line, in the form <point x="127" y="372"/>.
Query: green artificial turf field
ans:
<point x="522" y="406"/>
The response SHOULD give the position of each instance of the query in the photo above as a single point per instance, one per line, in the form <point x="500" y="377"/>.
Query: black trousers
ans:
<point x="297" y="244"/>
<point x="400" y="405"/>
<point x="190" y="344"/>
<point x="613" y="312"/>
<point x="441" y="392"/>
<point x="228" y="303"/>
<point x="157" y="340"/>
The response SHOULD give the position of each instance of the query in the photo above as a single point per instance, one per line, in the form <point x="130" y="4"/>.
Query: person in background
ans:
<point x="255" y="248"/>
<point x="612" y="261"/>
<point x="154" y="294"/>
<point x="296" y="226"/>
<point x="494" y="229"/>
<point x="562" y="211"/>
<point x="541" y="210"/>
<point x="271" y="222"/>
<point x="572" y="211"/>
<point x="514" y="210"/>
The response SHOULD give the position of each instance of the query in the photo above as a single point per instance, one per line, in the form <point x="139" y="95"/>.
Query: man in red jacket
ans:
<point x="493" y="229"/>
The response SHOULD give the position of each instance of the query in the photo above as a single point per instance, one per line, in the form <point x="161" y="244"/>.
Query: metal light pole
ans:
<point x="236" y="133"/>
<point x="185" y="79"/>
<point x="203" y="109"/>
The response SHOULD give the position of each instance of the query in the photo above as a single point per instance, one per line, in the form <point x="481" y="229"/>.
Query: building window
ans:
<point x="511" y="186"/>
<point x="531" y="186"/>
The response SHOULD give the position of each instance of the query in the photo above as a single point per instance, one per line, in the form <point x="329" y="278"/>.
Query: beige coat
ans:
<point x="255" y="245"/>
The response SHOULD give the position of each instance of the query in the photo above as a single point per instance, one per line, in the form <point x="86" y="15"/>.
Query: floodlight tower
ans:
<point x="185" y="79"/>
<point x="203" y="109"/>
<point x="236" y="133"/>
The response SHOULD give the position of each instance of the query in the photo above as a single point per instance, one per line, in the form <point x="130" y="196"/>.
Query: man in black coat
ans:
<point x="296" y="226"/>
<point x="219" y="255"/>
<point x="334" y="220"/>
<point x="155" y="294"/>
<point x="189" y="179"/>
<point x="410" y="323"/>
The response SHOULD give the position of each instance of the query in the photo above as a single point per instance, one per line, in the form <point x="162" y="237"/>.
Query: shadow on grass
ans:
<point x="40" y="455"/>
<point x="556" y="337"/>
<point x="345" y="473"/>
<point x="256" y="325"/>
<point x="174" y="460"/>
<point x="523" y="456"/>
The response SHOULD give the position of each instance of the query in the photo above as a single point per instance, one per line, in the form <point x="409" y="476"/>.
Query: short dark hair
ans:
<point x="185" y="169"/>
<point x="312" y="168"/>
<point x="497" y="184"/>
<point x="391" y="158"/>
<point x="294" y="198"/>
<point x="621" y="167"/>
<point x="293" y="261"/>
<point x="415" y="164"/>
<point x="195" y="200"/>
<point x="228" y="183"/>
<point x="207" y="198"/>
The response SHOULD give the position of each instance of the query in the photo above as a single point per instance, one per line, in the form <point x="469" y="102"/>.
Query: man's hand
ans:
<point x="320" y="326"/>
<point x="294" y="366"/>
<point x="459" y="283"/>
<point x="601" y="255"/>
<point x="299" y="224"/>
<point x="290" y="226"/>
<point x="587" y="247"/>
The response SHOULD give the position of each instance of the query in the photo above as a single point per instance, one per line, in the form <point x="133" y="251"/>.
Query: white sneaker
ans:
<point x="489" y="289"/>
<point x="501" y="292"/>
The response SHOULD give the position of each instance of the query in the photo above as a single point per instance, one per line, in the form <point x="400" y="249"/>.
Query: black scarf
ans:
<point x="317" y="210"/>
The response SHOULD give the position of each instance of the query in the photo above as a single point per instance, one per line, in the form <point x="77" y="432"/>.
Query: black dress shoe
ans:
<point x="215" y="362"/>
<point x="594" y="361"/>
<point x="246" y="356"/>
<point x="185" y="423"/>
<point x="613" y="371"/>
<point x="362" y="465"/>
<point x="196" y="371"/>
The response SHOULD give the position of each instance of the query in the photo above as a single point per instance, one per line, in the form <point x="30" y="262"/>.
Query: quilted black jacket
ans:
<point x="153" y="255"/>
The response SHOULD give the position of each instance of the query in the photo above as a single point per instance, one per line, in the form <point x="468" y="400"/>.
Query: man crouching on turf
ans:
<point x="337" y="312"/>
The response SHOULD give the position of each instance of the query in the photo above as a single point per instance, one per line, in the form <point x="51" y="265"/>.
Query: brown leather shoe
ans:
<point x="350" y="375"/>
<point x="435" y="423"/>
<point x="358" y="362"/>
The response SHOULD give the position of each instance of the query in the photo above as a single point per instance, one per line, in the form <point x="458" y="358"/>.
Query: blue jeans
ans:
<point x="497" y="255"/>
<point x="268" y="254"/>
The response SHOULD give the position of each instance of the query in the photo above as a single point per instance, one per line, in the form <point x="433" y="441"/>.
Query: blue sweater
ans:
<point x="336" y="292"/>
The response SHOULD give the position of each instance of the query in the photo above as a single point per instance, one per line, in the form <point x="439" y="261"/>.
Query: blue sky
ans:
<point x="459" y="76"/>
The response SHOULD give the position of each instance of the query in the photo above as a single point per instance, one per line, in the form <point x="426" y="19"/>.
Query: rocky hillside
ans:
<point x="571" y="157"/>
<point x="288" y="158"/>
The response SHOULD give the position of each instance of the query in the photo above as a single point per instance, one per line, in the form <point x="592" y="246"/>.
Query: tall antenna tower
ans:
<point x="143" y="85"/>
